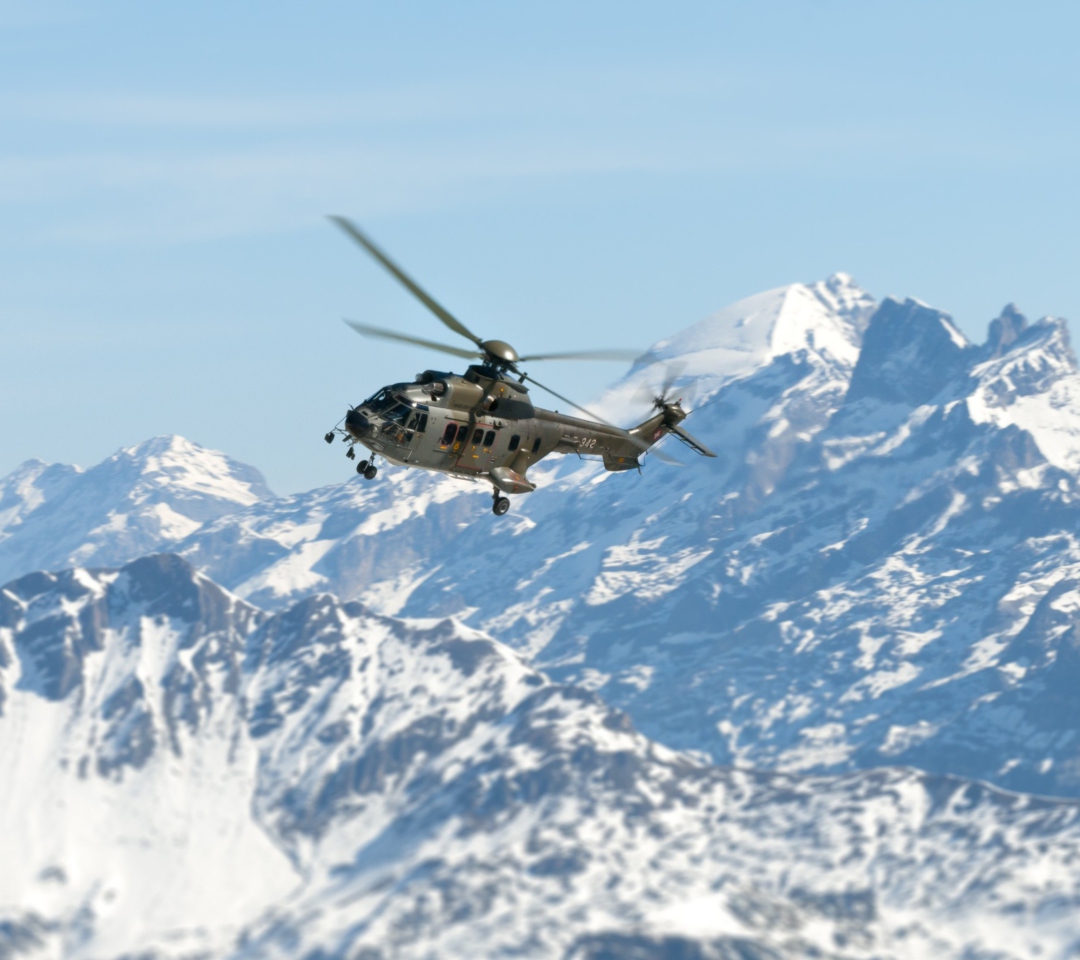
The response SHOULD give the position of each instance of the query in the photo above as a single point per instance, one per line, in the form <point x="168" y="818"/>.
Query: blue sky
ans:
<point x="558" y="174"/>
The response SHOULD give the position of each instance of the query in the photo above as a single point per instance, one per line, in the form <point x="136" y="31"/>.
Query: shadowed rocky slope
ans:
<point x="192" y="776"/>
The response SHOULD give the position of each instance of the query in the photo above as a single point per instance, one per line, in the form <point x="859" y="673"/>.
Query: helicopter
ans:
<point x="482" y="425"/>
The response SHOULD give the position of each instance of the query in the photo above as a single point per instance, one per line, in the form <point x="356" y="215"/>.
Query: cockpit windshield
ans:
<point x="383" y="399"/>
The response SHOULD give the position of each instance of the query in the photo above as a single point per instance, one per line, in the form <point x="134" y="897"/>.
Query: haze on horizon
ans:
<point x="558" y="177"/>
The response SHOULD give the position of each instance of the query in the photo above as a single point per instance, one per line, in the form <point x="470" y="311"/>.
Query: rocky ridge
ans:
<point x="194" y="776"/>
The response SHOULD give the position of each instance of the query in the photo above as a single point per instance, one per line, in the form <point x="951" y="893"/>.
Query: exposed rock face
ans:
<point x="212" y="780"/>
<point x="1004" y="331"/>
<point x="910" y="353"/>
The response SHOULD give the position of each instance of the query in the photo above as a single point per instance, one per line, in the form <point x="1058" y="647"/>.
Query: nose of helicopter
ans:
<point x="356" y="423"/>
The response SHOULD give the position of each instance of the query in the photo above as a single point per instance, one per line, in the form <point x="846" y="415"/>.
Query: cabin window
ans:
<point x="536" y="444"/>
<point x="462" y="433"/>
<point x="411" y="425"/>
<point x="490" y="438"/>
<point x="448" y="434"/>
<point x="478" y="435"/>
<point x="514" y="441"/>
<point x="422" y="425"/>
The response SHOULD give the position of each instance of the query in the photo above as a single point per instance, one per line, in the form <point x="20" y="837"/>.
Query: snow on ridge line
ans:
<point x="27" y="487"/>
<point x="199" y="468"/>
<point x="1033" y="382"/>
<point x="826" y="318"/>
<point x="138" y="500"/>
<point x="166" y="459"/>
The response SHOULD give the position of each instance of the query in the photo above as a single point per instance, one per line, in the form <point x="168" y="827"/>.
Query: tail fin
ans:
<point x="667" y="421"/>
<point x="691" y="441"/>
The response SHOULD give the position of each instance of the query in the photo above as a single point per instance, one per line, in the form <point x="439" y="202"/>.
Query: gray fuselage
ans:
<point x="481" y="425"/>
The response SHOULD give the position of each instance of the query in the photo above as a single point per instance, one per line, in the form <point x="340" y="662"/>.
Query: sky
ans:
<point x="559" y="175"/>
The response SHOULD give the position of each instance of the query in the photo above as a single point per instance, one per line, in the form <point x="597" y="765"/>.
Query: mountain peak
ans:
<point x="825" y="320"/>
<point x="824" y="317"/>
<point x="193" y="464"/>
<point x="27" y="487"/>
<point x="910" y="352"/>
<point x="1004" y="330"/>
<point x="182" y="463"/>
<point x="140" y="499"/>
<point x="167" y="445"/>
<point x="1028" y="378"/>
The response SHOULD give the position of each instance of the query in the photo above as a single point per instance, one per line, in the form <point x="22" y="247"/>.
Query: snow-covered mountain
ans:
<point x="186" y="775"/>
<point x="881" y="567"/>
<point x="141" y="499"/>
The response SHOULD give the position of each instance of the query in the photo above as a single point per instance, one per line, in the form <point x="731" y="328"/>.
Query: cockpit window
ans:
<point x="383" y="399"/>
<point x="399" y="414"/>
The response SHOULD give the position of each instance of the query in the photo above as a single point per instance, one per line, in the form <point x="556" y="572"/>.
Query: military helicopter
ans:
<point x="482" y="425"/>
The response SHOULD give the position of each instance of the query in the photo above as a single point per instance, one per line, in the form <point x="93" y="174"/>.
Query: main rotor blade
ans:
<point x="411" y="285"/>
<point x="672" y="372"/>
<point x="650" y="393"/>
<point x="576" y="406"/>
<point x="645" y="394"/>
<point x="369" y="331"/>
<point x="636" y="441"/>
<point x="620" y="355"/>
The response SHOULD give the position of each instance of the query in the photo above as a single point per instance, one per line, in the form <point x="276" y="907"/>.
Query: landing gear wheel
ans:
<point x="370" y="471"/>
<point x="500" y="506"/>
<point x="361" y="467"/>
<point x="329" y="438"/>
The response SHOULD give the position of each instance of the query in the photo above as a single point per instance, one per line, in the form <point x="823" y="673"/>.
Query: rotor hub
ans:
<point x="500" y="351"/>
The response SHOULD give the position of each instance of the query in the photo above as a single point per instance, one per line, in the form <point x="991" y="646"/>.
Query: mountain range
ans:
<point x="192" y="776"/>
<point x="760" y="706"/>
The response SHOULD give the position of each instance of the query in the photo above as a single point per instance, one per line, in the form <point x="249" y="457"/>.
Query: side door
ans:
<point x="480" y="452"/>
<point x="451" y="443"/>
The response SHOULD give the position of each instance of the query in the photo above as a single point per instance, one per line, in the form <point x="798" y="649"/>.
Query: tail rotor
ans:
<point x="673" y="410"/>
